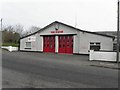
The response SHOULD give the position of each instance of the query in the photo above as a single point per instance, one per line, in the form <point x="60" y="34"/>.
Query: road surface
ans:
<point x="42" y="70"/>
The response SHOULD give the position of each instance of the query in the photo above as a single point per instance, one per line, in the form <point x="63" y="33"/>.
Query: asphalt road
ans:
<point x="54" y="70"/>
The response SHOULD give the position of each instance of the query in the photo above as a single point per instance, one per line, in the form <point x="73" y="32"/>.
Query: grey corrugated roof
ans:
<point x="70" y="27"/>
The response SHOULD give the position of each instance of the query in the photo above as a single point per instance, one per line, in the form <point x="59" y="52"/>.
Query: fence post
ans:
<point x="91" y="57"/>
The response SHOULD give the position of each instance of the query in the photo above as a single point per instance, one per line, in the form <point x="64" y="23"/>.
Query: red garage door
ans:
<point x="49" y="44"/>
<point x="66" y="44"/>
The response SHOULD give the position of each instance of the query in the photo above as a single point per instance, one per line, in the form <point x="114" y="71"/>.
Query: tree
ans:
<point x="31" y="30"/>
<point x="18" y="29"/>
<point x="11" y="34"/>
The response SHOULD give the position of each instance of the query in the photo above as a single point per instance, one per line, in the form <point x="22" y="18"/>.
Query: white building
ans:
<point x="58" y="37"/>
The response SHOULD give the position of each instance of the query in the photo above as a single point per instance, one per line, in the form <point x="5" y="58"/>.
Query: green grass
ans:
<point x="10" y="44"/>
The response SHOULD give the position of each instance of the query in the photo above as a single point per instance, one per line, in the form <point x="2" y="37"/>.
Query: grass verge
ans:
<point x="10" y="44"/>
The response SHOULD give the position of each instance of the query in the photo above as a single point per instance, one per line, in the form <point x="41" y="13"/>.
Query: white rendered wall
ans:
<point x="66" y="30"/>
<point x="102" y="56"/>
<point x="86" y="38"/>
<point x="56" y="44"/>
<point x="39" y="44"/>
<point x="33" y="44"/>
<point x="76" y="43"/>
<point x="81" y="43"/>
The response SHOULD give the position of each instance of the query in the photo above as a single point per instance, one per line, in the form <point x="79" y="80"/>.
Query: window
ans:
<point x="115" y="47"/>
<point x="95" y="46"/>
<point x="91" y="43"/>
<point x="28" y="44"/>
<point x="97" y="43"/>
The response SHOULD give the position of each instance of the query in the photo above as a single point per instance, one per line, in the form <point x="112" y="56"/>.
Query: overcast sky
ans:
<point x="90" y="15"/>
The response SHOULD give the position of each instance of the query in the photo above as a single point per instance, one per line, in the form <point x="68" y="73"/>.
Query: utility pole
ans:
<point x="118" y="36"/>
<point x="1" y="24"/>
<point x="75" y="21"/>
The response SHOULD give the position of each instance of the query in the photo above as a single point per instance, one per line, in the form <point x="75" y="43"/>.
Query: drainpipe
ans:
<point x="118" y="42"/>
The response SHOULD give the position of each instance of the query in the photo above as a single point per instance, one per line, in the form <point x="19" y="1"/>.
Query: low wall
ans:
<point x="102" y="56"/>
<point x="10" y="48"/>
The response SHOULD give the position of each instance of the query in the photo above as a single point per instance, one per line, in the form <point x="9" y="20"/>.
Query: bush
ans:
<point x="10" y="44"/>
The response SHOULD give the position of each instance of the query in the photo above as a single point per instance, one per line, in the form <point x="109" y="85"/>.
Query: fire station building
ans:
<point x="58" y="37"/>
